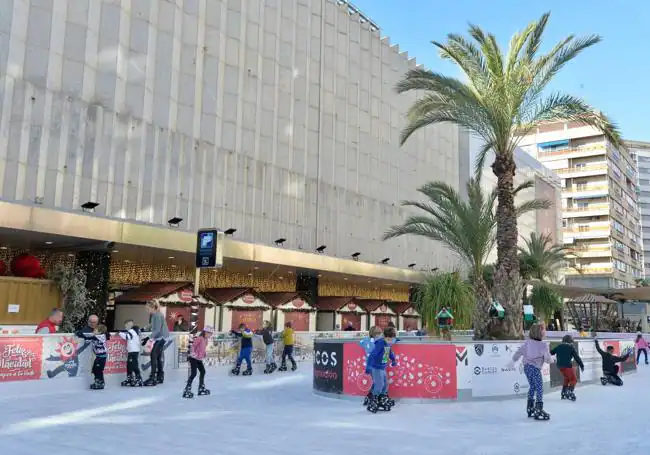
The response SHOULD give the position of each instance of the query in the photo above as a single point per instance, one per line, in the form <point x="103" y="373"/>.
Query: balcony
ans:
<point x="588" y="210"/>
<point x="592" y="150"/>
<point x="586" y="232"/>
<point x="589" y="270"/>
<point x="592" y="251"/>
<point x="582" y="171"/>
<point x="586" y="191"/>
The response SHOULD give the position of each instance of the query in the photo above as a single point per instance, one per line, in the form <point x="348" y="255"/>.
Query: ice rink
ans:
<point x="279" y="415"/>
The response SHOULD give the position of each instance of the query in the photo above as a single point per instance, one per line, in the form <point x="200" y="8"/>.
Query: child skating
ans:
<point x="368" y="345"/>
<point x="565" y="353"/>
<point x="196" y="357"/>
<point x="98" y="339"/>
<point x="288" y="339"/>
<point x="641" y="346"/>
<point x="610" y="369"/>
<point x="376" y="367"/>
<point x="267" y="337"/>
<point x="131" y="334"/>
<point x="245" y="350"/>
<point x="535" y="353"/>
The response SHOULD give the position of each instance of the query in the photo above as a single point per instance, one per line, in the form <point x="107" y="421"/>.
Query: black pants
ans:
<point x="157" y="361"/>
<point x="288" y="352"/>
<point x="638" y="355"/>
<point x="133" y="365"/>
<point x="616" y="379"/>
<point x="196" y="365"/>
<point x="98" y="368"/>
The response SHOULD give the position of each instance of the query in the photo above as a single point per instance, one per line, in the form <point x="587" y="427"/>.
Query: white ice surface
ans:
<point x="278" y="414"/>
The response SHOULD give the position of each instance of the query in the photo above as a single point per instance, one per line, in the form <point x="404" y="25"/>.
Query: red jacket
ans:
<point x="46" y="324"/>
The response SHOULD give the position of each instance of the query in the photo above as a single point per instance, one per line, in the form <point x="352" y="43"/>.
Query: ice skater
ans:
<point x="610" y="369"/>
<point x="245" y="350"/>
<point x="535" y="353"/>
<point x="196" y="357"/>
<point x="564" y="354"/>
<point x="368" y="345"/>
<point x="98" y="339"/>
<point x="376" y="367"/>
<point x="267" y="337"/>
<point x="641" y="346"/>
<point x="131" y="334"/>
<point x="288" y="339"/>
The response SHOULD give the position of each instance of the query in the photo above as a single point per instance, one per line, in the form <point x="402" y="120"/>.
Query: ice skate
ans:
<point x="235" y="371"/>
<point x="391" y="402"/>
<point x="128" y="382"/>
<point x="151" y="382"/>
<point x="137" y="382"/>
<point x="203" y="391"/>
<point x="97" y="385"/>
<point x="571" y="394"/>
<point x="383" y="403"/>
<point x="530" y="408"/>
<point x="294" y="366"/>
<point x="187" y="393"/>
<point x="367" y="399"/>
<point x="565" y="393"/>
<point x="540" y="414"/>
<point x="372" y="406"/>
<point x="274" y="366"/>
<point x="248" y="372"/>
<point x="267" y="370"/>
<point x="161" y="377"/>
<point x="283" y="366"/>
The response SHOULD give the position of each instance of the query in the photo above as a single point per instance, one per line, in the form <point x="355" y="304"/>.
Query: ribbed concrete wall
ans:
<point x="277" y="118"/>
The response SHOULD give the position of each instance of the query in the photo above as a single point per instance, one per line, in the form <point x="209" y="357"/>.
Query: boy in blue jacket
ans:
<point x="245" y="351"/>
<point x="368" y="345"/>
<point x="376" y="366"/>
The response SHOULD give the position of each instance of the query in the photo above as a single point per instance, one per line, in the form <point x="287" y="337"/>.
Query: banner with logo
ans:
<point x="20" y="358"/>
<point x="422" y="371"/>
<point x="328" y="366"/>
<point x="591" y="359"/>
<point x="628" y="346"/>
<point x="491" y="375"/>
<point x="463" y="368"/>
<point x="556" y="377"/>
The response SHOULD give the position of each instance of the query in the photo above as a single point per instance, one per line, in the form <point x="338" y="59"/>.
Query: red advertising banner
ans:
<point x="422" y="371"/>
<point x="299" y="320"/>
<point x="20" y="358"/>
<point x="252" y="319"/>
<point x="117" y="355"/>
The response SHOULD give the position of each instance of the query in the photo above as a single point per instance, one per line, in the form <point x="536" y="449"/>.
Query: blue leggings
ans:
<point x="534" y="376"/>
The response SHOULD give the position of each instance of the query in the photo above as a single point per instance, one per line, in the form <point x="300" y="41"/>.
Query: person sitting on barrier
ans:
<point x="610" y="369"/>
<point x="641" y="346"/>
<point x="245" y="350"/>
<point x="376" y="366"/>
<point x="535" y="353"/>
<point x="368" y="345"/>
<point x="565" y="352"/>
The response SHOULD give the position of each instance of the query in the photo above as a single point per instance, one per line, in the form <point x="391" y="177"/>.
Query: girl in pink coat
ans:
<point x="641" y="346"/>
<point x="197" y="353"/>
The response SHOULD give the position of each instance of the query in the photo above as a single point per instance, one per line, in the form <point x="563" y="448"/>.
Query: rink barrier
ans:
<point x="430" y="370"/>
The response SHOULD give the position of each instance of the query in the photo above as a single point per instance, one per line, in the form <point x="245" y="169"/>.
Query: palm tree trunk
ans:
<point x="507" y="281"/>
<point x="480" y="318"/>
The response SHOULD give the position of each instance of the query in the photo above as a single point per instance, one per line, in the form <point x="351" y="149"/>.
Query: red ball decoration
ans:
<point x="26" y="266"/>
<point x="3" y="268"/>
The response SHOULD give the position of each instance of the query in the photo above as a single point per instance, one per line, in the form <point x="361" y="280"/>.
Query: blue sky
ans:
<point x="614" y="76"/>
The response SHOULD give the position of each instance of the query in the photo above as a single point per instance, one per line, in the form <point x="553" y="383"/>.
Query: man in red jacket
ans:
<point x="51" y="323"/>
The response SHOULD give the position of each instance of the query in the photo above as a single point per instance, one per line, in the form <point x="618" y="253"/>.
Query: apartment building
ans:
<point x="640" y="152"/>
<point x="600" y="216"/>
<point x="546" y="186"/>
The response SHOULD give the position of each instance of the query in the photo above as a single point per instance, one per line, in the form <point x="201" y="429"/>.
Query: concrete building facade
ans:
<point x="547" y="186"/>
<point x="599" y="203"/>
<point x="277" y="118"/>
<point x="640" y="152"/>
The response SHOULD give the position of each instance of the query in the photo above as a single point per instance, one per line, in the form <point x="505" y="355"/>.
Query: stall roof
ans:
<point x="151" y="291"/>
<point x="332" y="303"/>
<point x="591" y="298"/>
<point x="570" y="292"/>
<point x="275" y="299"/>
<point x="224" y="295"/>
<point x="370" y="305"/>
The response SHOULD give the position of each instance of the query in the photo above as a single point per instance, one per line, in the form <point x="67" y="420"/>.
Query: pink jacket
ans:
<point x="641" y="343"/>
<point x="534" y="352"/>
<point x="199" y="346"/>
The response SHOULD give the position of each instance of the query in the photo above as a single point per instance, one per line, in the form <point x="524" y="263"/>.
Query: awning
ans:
<point x="152" y="291"/>
<point x="332" y="303"/>
<point x="400" y="307"/>
<point x="275" y="299"/>
<point x="221" y="296"/>
<point x="370" y="305"/>
<point x="549" y="144"/>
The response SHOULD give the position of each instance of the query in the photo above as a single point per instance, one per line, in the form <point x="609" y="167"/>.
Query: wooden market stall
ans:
<point x="291" y="307"/>
<point x="236" y="305"/>
<point x="407" y="316"/>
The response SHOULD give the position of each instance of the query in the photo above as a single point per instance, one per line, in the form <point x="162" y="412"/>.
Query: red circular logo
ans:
<point x="185" y="295"/>
<point x="248" y="298"/>
<point x="383" y="309"/>
<point x="298" y="303"/>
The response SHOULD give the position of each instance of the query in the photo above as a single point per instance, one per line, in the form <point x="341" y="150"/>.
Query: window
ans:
<point x="616" y="155"/>
<point x="616" y="171"/>
<point x="583" y="205"/>
<point x="564" y="222"/>
<point x="618" y="226"/>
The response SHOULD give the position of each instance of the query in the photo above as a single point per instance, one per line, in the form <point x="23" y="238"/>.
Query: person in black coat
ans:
<point x="610" y="369"/>
<point x="565" y="353"/>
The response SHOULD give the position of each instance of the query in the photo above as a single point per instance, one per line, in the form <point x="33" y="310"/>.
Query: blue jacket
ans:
<point x="246" y="337"/>
<point x="378" y="358"/>
<point x="368" y="345"/>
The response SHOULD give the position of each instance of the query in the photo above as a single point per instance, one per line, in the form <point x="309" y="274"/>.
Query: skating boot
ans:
<point x="294" y="366"/>
<point x="128" y="382"/>
<point x="283" y="366"/>
<point x="97" y="385"/>
<point x="267" y="370"/>
<point x="604" y="380"/>
<point x="151" y="382"/>
<point x="248" y="371"/>
<point x="571" y="394"/>
<point x="235" y="371"/>
<point x="203" y="390"/>
<point x="137" y="382"/>
<point x="391" y="402"/>
<point x="540" y="414"/>
<point x="187" y="393"/>
<point x="373" y="406"/>
<point x="161" y="377"/>
<point x="530" y="408"/>
<point x="383" y="403"/>
<point x="565" y="393"/>
<point x="274" y="366"/>
<point x="367" y="399"/>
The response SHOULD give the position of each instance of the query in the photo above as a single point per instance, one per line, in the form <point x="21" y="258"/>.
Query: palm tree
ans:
<point x="540" y="258"/>
<point x="503" y="99"/>
<point x="467" y="227"/>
